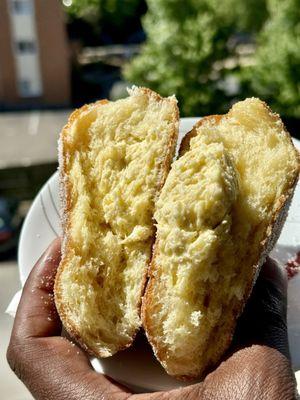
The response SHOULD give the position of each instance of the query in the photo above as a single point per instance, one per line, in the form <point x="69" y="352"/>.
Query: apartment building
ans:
<point x="34" y="55"/>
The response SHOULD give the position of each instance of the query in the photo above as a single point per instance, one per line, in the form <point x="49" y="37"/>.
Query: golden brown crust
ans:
<point x="66" y="206"/>
<point x="271" y="236"/>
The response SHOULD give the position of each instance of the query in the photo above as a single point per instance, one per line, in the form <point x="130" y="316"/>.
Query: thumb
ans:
<point x="50" y="366"/>
<point x="264" y="318"/>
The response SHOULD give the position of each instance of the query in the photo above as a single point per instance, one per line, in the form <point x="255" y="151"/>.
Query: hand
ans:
<point x="52" y="367"/>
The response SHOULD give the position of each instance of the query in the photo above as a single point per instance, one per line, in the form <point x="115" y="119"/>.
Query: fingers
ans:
<point x="50" y="366"/>
<point x="253" y="373"/>
<point x="264" y="318"/>
<point x="272" y="272"/>
<point x="256" y="372"/>
<point x="36" y="315"/>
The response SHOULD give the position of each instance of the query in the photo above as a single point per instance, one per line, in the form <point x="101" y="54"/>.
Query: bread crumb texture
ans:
<point x="114" y="160"/>
<point x="212" y="215"/>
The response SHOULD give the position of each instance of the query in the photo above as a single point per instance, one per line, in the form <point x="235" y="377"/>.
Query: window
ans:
<point x="28" y="88"/>
<point x="22" y="6"/>
<point x="25" y="88"/>
<point x="26" y="46"/>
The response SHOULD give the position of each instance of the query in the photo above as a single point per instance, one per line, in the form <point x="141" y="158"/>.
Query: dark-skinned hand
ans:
<point x="257" y="365"/>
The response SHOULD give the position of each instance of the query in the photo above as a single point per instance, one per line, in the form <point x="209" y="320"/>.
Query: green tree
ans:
<point x="86" y="9"/>
<point x="116" y="13"/>
<point x="248" y="16"/>
<point x="184" y="38"/>
<point x="276" y="73"/>
<point x="187" y="44"/>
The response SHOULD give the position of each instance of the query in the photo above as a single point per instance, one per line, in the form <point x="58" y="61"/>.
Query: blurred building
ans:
<point x="34" y="55"/>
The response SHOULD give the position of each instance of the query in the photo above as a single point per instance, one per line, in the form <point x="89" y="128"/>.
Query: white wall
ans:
<point x="23" y="30"/>
<point x="24" y="27"/>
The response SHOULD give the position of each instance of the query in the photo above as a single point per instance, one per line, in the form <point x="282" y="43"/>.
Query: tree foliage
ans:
<point x="189" y="43"/>
<point x="191" y="49"/>
<point x="185" y="40"/>
<point x="98" y="12"/>
<point x="247" y="16"/>
<point x="276" y="73"/>
<point x="111" y="21"/>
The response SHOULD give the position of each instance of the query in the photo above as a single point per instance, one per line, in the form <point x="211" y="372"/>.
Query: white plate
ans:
<point x="136" y="367"/>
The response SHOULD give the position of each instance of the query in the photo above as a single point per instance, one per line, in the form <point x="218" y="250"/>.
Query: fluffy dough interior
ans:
<point x="212" y="215"/>
<point x="115" y="155"/>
